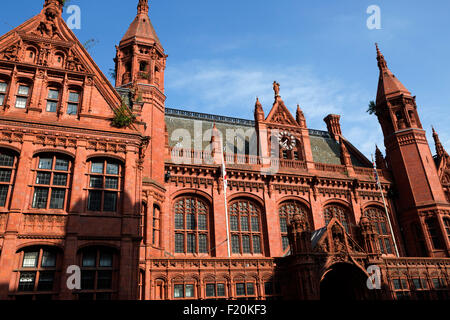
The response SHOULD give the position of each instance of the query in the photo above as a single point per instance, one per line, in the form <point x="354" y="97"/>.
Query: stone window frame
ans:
<point x="404" y="292"/>
<point x="23" y="83"/>
<point x="380" y="222"/>
<point x="347" y="222"/>
<point x="216" y="290"/>
<point x="104" y="190"/>
<point x="246" y="284"/>
<point x="55" y="88"/>
<point x="98" y="293"/>
<point x="446" y="221"/>
<point x="13" y="169"/>
<point x="79" y="91"/>
<point x="179" y="208"/>
<point x="184" y="284"/>
<point x="51" y="186"/>
<point x="288" y="217"/>
<point x="240" y="233"/>
<point x="4" y="94"/>
<point x="38" y="270"/>
<point x="434" y="232"/>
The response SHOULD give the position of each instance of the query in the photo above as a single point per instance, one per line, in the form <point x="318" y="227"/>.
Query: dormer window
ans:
<point x="3" y="88"/>
<point x="74" y="100"/>
<point x="52" y="100"/>
<point x="22" y="96"/>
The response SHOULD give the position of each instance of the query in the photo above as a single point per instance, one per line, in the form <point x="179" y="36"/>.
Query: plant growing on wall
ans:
<point x="123" y="116"/>
<point x="372" y="107"/>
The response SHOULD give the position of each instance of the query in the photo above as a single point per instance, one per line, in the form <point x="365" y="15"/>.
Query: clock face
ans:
<point x="286" y="140"/>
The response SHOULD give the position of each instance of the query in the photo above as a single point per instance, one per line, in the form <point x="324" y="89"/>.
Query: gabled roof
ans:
<point x="280" y="114"/>
<point x="48" y="27"/>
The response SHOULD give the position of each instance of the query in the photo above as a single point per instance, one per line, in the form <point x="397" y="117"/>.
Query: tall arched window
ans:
<point x="105" y="184"/>
<point x="286" y="212"/>
<point x="98" y="273"/>
<point x="38" y="271"/>
<point x="245" y="227"/>
<point x="8" y="164"/>
<point x="191" y="225"/>
<point x="378" y="219"/>
<point x="339" y="212"/>
<point x="51" y="181"/>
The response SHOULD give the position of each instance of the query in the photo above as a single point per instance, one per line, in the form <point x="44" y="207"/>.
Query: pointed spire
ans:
<point x="388" y="84"/>
<point x="382" y="64"/>
<point x="259" y="112"/>
<point x="143" y="7"/>
<point x="440" y="150"/>
<point x="379" y="159"/>
<point x="141" y="28"/>
<point x="300" y="117"/>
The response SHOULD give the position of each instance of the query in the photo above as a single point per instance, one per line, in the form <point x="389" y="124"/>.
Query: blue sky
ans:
<point x="222" y="54"/>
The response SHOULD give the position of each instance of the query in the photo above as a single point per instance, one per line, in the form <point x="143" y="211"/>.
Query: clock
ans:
<point x="286" y="140"/>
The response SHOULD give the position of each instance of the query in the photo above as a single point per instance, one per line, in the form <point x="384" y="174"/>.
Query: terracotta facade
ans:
<point x="111" y="180"/>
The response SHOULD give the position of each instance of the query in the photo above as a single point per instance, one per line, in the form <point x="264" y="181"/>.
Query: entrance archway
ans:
<point x="344" y="281"/>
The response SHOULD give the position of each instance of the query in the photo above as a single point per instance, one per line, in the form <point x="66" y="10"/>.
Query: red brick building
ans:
<point x="111" y="180"/>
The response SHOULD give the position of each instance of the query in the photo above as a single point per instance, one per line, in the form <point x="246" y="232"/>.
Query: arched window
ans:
<point x="73" y="102"/>
<point x="22" y="96"/>
<point x="38" y="270"/>
<point x="339" y="212"/>
<point x="286" y="212"/>
<point x="378" y="219"/>
<point x="191" y="225"/>
<point x="52" y="99"/>
<point x="51" y="181"/>
<point x="3" y="90"/>
<point x="8" y="164"/>
<point x="98" y="268"/>
<point x="245" y="227"/>
<point x="434" y="232"/>
<point x="105" y="183"/>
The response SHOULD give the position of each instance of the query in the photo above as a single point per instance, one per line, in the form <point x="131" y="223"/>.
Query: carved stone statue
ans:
<point x="276" y="88"/>
<point x="12" y="52"/>
<point x="48" y="26"/>
<point x="73" y="63"/>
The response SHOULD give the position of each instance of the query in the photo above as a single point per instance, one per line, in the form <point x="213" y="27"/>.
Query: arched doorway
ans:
<point x="344" y="281"/>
